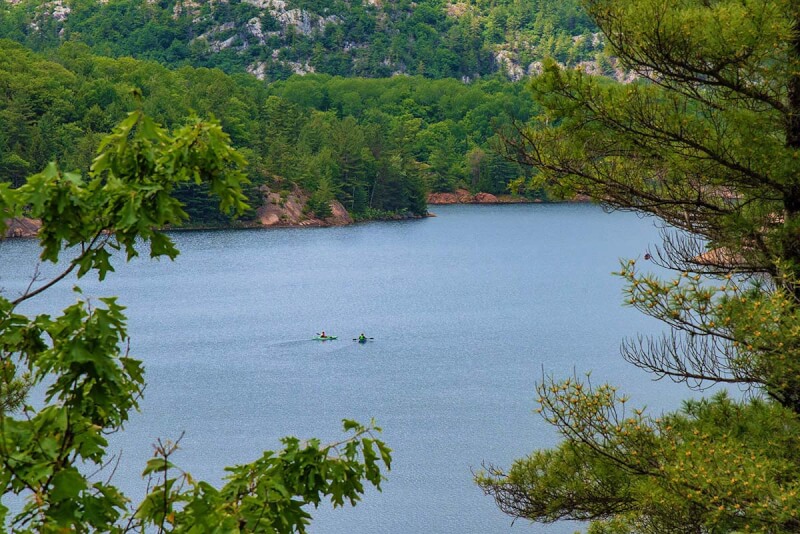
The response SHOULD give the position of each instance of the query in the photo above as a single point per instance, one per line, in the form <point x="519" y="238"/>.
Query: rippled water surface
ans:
<point x="467" y="309"/>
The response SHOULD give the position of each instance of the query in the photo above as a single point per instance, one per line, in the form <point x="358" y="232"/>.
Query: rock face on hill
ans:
<point x="374" y="38"/>
<point x="288" y="209"/>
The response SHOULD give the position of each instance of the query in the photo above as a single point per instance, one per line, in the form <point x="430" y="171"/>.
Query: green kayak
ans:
<point x="326" y="338"/>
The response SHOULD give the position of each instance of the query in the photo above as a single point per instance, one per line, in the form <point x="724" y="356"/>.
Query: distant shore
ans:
<point x="462" y="196"/>
<point x="289" y="214"/>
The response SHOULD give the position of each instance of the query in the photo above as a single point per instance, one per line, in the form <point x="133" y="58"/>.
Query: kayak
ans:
<point x="326" y="338"/>
<point x="362" y="340"/>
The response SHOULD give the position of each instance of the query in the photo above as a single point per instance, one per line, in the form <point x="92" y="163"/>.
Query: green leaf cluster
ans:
<point x="54" y="452"/>
<point x="271" y="494"/>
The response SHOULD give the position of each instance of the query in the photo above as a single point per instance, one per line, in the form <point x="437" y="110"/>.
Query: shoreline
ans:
<point x="462" y="196"/>
<point x="29" y="228"/>
<point x="25" y="228"/>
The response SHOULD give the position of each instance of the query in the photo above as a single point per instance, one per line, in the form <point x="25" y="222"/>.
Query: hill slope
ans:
<point x="276" y="38"/>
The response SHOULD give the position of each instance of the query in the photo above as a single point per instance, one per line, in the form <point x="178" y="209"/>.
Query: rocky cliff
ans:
<point x="272" y="39"/>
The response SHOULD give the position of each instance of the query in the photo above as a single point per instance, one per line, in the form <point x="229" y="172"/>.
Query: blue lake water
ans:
<point x="467" y="309"/>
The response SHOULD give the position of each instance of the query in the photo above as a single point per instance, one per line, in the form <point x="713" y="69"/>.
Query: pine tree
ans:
<point x="708" y="141"/>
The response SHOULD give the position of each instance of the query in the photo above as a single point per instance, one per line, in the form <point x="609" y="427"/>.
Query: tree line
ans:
<point x="376" y="145"/>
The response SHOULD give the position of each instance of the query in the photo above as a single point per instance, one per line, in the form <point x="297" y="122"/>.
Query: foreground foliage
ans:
<point x="708" y="141"/>
<point x="53" y="453"/>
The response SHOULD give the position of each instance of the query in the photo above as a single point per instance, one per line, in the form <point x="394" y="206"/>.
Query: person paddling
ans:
<point x="362" y="338"/>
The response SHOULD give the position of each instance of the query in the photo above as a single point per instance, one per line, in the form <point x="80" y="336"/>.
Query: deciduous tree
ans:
<point x="54" y="453"/>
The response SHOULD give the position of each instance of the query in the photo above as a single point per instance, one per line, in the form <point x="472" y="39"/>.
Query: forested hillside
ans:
<point x="308" y="89"/>
<point x="276" y="38"/>
<point x="376" y="145"/>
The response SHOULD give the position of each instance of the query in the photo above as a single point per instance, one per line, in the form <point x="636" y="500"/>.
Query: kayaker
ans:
<point x="323" y="334"/>
<point x="362" y="338"/>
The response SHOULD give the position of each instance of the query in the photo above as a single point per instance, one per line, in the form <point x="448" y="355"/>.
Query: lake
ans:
<point x="468" y="310"/>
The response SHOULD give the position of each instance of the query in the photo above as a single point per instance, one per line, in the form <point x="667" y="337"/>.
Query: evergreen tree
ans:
<point x="707" y="140"/>
<point x="476" y="161"/>
<point x="360" y="200"/>
<point x="320" y="201"/>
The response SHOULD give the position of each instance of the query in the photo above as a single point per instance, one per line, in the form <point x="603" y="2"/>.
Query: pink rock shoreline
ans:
<point x="462" y="196"/>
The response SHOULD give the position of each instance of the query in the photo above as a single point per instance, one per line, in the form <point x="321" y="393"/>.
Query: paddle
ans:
<point x="356" y="338"/>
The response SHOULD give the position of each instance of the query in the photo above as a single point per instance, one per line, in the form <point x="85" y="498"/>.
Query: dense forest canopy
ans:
<point x="301" y="86"/>
<point x="377" y="144"/>
<point x="276" y="38"/>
